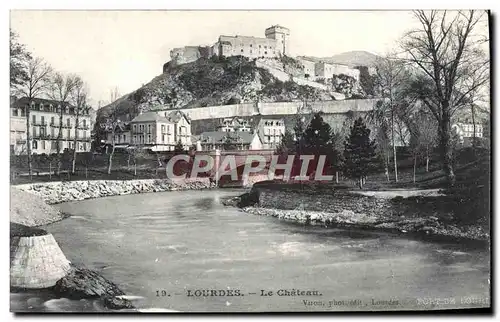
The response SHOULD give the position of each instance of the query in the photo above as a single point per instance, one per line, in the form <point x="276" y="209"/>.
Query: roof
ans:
<point x="219" y="137"/>
<point x="176" y="115"/>
<point x="149" y="117"/>
<point x="25" y="101"/>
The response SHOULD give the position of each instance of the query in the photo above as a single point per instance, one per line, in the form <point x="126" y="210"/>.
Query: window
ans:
<point x="43" y="120"/>
<point x="242" y="50"/>
<point x="84" y="123"/>
<point x="162" y="128"/>
<point x="35" y="144"/>
<point x="34" y="118"/>
<point x="123" y="137"/>
<point x="23" y="112"/>
<point x="149" y="128"/>
<point x="265" y="52"/>
<point x="68" y="122"/>
<point x="43" y="145"/>
<point x="15" y="112"/>
<point x="135" y="129"/>
<point x="84" y="146"/>
<point x="265" y="47"/>
<point x="52" y="132"/>
<point x="149" y="138"/>
<point x="52" y="120"/>
<point x="68" y="133"/>
<point x="250" y="51"/>
<point x="163" y="138"/>
<point x="250" y="45"/>
<point x="34" y="131"/>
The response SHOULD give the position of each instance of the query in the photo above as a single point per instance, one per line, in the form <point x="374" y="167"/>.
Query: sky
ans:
<point x="125" y="49"/>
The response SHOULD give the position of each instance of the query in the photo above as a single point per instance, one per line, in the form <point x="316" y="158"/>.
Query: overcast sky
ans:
<point x="128" y="48"/>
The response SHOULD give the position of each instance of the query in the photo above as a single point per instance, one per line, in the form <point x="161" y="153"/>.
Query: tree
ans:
<point x="424" y="135"/>
<point x="448" y="52"/>
<point x="287" y="144"/>
<point x="318" y="139"/>
<point x="79" y="100"/>
<point x="109" y="127"/>
<point x="179" y="147"/>
<point x="360" y="158"/>
<point x="38" y="74"/>
<point x="61" y="89"/>
<point x="19" y="58"/>
<point x="390" y="78"/>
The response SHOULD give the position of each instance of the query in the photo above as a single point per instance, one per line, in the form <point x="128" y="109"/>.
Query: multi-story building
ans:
<point x="234" y="124"/>
<point x="182" y="127"/>
<point x="271" y="131"/>
<point x="44" y="127"/>
<point x="466" y="130"/>
<point x="274" y="44"/>
<point x="155" y="130"/>
<point x="122" y="135"/>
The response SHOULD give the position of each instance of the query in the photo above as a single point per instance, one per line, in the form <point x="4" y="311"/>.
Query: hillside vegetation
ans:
<point x="216" y="81"/>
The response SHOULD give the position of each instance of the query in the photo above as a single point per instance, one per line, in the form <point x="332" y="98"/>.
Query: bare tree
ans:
<point x="79" y="100"/>
<point x="109" y="127"/>
<point x="114" y="95"/>
<point x="38" y="74"/>
<point x="446" y="48"/>
<point x="391" y="77"/>
<point x="61" y="89"/>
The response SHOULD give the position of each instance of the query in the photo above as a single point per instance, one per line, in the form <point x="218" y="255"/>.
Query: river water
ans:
<point x="161" y="247"/>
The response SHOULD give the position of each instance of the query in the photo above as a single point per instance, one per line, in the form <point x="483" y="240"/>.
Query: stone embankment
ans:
<point x="57" y="192"/>
<point x="427" y="215"/>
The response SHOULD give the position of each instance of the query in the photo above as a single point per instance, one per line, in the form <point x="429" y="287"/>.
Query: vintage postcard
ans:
<point x="249" y="161"/>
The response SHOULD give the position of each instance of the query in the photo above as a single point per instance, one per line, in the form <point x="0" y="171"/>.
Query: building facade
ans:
<point x="44" y="127"/>
<point x="271" y="131"/>
<point x="234" y="124"/>
<point x="229" y="141"/>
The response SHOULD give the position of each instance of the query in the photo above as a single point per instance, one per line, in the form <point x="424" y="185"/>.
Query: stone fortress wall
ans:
<point x="279" y="108"/>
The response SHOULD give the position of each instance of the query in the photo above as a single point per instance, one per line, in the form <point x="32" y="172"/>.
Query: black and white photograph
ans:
<point x="250" y="161"/>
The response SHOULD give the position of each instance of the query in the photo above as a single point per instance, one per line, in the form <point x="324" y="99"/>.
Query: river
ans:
<point x="158" y="247"/>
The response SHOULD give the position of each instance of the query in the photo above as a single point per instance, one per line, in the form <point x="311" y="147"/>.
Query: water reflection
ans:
<point x="187" y="240"/>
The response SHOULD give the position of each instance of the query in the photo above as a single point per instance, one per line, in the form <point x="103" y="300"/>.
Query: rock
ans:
<point x="82" y="283"/>
<point x="117" y="303"/>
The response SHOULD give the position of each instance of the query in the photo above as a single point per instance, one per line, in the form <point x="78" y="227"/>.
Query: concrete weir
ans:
<point x="36" y="261"/>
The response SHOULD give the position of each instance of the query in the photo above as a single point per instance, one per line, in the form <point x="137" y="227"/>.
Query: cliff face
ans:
<point x="216" y="81"/>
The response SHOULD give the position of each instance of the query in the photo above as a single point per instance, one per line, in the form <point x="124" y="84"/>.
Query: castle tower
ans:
<point x="282" y="36"/>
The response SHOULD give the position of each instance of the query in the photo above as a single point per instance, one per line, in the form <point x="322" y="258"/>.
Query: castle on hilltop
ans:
<point x="275" y="43"/>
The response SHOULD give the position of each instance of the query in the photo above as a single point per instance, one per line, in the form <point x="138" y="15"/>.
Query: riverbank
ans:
<point x="64" y="191"/>
<point x="427" y="213"/>
<point x="31" y="207"/>
<point x="31" y="210"/>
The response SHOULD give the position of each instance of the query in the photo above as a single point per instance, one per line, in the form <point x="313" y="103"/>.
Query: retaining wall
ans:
<point x="56" y="192"/>
<point x="279" y="108"/>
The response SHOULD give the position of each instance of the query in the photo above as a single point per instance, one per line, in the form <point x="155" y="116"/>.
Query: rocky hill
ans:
<point x="225" y="80"/>
<point x="350" y="58"/>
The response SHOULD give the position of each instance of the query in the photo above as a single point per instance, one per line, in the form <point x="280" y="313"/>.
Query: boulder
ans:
<point x="82" y="283"/>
